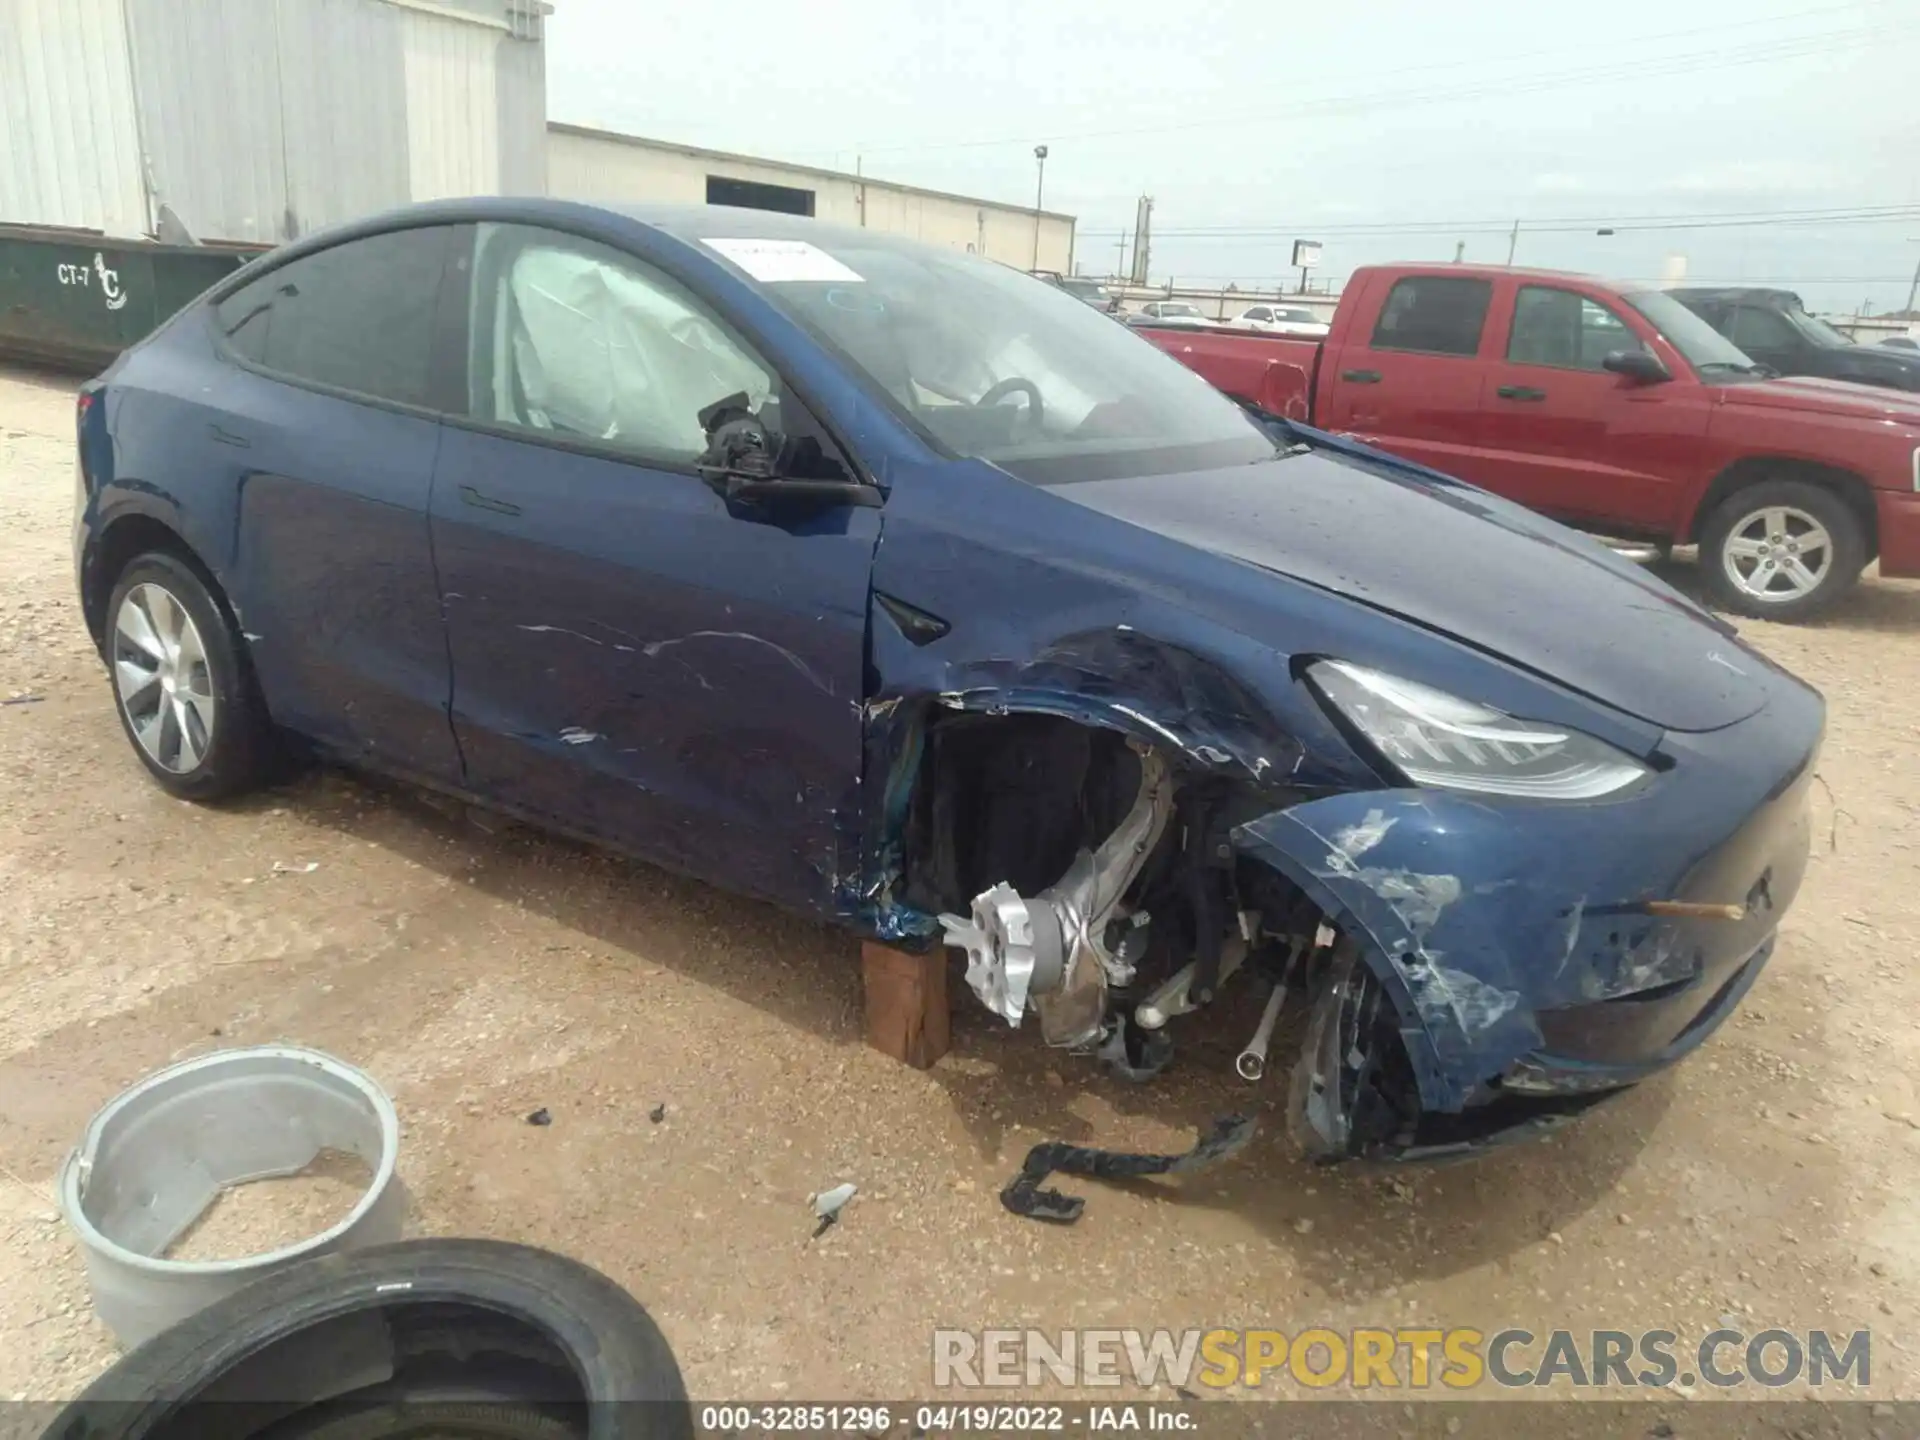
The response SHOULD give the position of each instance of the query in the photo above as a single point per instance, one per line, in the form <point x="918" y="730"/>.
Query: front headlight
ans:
<point x="1434" y="738"/>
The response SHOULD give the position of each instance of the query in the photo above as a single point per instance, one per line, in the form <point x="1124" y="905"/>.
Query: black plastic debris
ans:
<point x="540" y="1117"/>
<point x="1226" y="1137"/>
<point x="658" y="1113"/>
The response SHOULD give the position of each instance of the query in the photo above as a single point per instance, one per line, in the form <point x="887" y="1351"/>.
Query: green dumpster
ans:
<point x="76" y="298"/>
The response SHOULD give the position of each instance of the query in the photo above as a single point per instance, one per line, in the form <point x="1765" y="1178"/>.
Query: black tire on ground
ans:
<point x="485" y="1338"/>
<point x="1741" y="510"/>
<point x="239" y="747"/>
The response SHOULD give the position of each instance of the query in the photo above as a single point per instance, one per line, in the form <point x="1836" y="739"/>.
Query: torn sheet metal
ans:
<point x="1494" y="938"/>
<point x="1222" y="1140"/>
<point x="1161" y="693"/>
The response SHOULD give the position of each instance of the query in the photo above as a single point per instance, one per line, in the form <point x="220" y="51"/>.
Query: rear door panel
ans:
<point x="1381" y="386"/>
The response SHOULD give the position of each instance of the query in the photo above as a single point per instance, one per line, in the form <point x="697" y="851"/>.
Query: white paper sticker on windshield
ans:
<point x="774" y="261"/>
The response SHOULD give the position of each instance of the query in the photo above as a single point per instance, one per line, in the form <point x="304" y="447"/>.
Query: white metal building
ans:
<point x="260" y="120"/>
<point x="585" y="164"/>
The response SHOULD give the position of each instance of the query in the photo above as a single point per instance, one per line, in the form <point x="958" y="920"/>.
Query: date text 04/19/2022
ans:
<point x="939" y="1419"/>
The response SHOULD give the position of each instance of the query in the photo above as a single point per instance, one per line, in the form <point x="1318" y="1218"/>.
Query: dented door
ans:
<point x="632" y="661"/>
<point x="635" y="657"/>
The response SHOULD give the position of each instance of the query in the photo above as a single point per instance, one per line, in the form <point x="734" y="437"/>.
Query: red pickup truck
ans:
<point x="1611" y="407"/>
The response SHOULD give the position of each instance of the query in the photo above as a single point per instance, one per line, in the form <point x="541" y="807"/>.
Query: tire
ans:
<point x="1741" y="520"/>
<point x="210" y="737"/>
<point x="476" y="1338"/>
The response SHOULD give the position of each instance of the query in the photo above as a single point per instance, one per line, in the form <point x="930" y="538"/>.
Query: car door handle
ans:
<point x="471" y="496"/>
<point x="226" y="437"/>
<point x="1520" y="392"/>
<point x="1361" y="377"/>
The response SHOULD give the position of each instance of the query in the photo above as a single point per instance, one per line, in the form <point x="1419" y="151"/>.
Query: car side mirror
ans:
<point x="1643" y="367"/>
<point x="748" y="462"/>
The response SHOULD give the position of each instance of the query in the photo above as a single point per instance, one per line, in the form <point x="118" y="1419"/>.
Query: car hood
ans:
<point x="1827" y="397"/>
<point x="1460" y="561"/>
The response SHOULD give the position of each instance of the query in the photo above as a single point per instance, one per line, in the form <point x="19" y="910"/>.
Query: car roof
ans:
<point x="1734" y="292"/>
<point x="715" y="222"/>
<point x="689" y="223"/>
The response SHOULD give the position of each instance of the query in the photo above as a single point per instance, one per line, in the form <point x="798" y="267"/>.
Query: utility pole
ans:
<point x="1120" y="262"/>
<point x="1039" y="191"/>
<point x="1513" y="243"/>
<point x="1460" y="251"/>
<point x="860" y="192"/>
<point x="1142" y="240"/>
<point x="1913" y="290"/>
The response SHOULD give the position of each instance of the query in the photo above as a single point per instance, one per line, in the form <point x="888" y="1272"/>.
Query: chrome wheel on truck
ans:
<point x="1779" y="553"/>
<point x="1781" y="550"/>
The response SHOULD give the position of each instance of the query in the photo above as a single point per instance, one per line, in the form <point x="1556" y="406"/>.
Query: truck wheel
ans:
<point x="1781" y="550"/>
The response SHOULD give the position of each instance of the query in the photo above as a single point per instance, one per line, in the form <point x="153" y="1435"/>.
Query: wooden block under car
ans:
<point x="906" y="1003"/>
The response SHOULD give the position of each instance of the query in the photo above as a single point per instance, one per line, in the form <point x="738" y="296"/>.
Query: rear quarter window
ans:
<point x="1434" y="315"/>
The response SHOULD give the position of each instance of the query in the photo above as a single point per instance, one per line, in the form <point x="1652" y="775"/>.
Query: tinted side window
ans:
<point x="357" y="317"/>
<point x="1560" y="328"/>
<point x="1754" y="329"/>
<point x="1438" y="315"/>
<point x="244" y="317"/>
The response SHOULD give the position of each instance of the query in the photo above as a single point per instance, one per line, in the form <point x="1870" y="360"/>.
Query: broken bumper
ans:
<point x="1528" y="978"/>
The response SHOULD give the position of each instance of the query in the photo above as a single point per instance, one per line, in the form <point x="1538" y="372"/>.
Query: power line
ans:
<point x="1641" y="68"/>
<point x="1852" y="7"/>
<point x="1244" y="281"/>
<point x="1554" y="225"/>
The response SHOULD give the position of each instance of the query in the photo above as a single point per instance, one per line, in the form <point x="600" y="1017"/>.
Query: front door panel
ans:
<point x="633" y="661"/>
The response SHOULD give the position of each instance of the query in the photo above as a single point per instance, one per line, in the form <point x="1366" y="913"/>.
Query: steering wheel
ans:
<point x="1036" y="407"/>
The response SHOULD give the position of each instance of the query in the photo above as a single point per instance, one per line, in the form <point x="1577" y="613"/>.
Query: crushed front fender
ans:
<point x="1514" y="937"/>
<point x="1433" y="884"/>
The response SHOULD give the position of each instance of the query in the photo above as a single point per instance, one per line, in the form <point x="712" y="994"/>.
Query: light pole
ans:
<point x="1039" y="191"/>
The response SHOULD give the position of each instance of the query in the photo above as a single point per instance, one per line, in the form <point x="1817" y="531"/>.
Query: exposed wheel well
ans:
<point x="125" y="538"/>
<point x="1009" y="797"/>
<point x="1849" y="487"/>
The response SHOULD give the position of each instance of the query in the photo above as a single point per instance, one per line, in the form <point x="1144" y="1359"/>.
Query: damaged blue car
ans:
<point x="896" y="586"/>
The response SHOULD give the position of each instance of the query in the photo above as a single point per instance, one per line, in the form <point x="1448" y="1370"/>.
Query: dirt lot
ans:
<point x="480" y="972"/>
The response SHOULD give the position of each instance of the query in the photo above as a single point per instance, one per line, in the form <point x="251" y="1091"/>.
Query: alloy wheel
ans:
<point x="160" y="673"/>
<point x="1778" y="554"/>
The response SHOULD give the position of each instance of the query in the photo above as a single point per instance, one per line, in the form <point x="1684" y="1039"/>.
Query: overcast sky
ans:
<point x="1388" y="129"/>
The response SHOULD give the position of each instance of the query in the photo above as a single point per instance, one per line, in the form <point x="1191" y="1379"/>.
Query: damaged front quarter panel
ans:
<point x="1432" y="883"/>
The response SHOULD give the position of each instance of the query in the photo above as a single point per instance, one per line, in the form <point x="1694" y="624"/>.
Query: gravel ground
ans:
<point x="480" y="972"/>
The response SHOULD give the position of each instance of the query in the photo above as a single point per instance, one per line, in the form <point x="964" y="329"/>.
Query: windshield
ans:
<point x="1168" y="309"/>
<point x="1084" y="289"/>
<point x="1704" y="347"/>
<point x="1297" y="317"/>
<point x="994" y="364"/>
<point x="1821" y="332"/>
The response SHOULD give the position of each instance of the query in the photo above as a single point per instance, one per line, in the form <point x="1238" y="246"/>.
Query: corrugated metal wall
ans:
<point x="523" y="114"/>
<point x="262" y="119"/>
<point x="343" y="103"/>
<point x="265" y="119"/>
<point x="453" y="107"/>
<point x="69" y="142"/>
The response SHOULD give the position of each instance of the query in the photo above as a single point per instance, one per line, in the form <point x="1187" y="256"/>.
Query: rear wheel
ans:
<point x="1781" y="550"/>
<point x="186" y="699"/>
